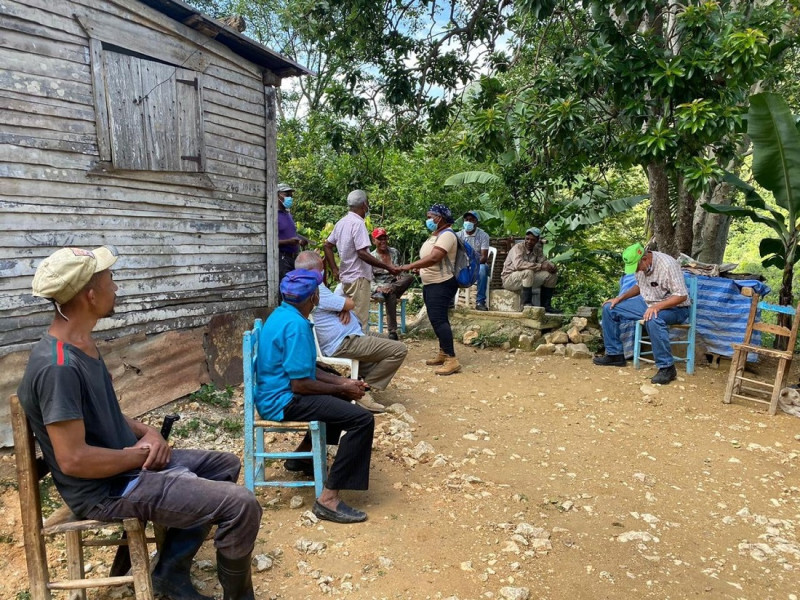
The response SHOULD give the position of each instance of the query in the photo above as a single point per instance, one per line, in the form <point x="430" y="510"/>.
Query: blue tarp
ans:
<point x="722" y="313"/>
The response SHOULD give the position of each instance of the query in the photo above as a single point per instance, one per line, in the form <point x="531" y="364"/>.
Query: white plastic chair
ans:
<point x="468" y="291"/>
<point x="350" y="363"/>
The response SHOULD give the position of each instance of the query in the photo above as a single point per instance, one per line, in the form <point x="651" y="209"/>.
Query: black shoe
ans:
<point x="342" y="514"/>
<point x="306" y="465"/>
<point x="610" y="360"/>
<point x="665" y="375"/>
<point x="553" y="311"/>
<point x="481" y="307"/>
<point x="393" y="336"/>
<point x="547" y="301"/>
<point x="526" y="298"/>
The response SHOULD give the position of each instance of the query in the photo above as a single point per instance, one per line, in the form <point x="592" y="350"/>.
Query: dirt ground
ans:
<point x="526" y="477"/>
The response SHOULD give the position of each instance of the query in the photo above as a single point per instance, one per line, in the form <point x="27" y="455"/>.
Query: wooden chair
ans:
<point x="378" y="313"/>
<point x="737" y="382"/>
<point x="255" y="456"/>
<point x="34" y="530"/>
<point x="640" y="355"/>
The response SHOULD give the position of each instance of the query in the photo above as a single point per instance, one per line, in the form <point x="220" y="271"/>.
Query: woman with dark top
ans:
<point x="386" y="287"/>
<point x="437" y="257"/>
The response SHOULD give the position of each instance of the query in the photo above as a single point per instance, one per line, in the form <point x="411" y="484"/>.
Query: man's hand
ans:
<point x="352" y="389"/>
<point x="344" y="317"/>
<point x="303" y="242"/>
<point x="549" y="267"/>
<point x="613" y="301"/>
<point x="650" y="313"/>
<point x="393" y="270"/>
<point x="160" y="451"/>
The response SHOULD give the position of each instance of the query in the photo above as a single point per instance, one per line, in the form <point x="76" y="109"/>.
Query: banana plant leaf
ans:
<point x="471" y="177"/>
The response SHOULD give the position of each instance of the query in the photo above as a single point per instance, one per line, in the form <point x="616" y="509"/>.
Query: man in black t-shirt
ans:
<point x="107" y="466"/>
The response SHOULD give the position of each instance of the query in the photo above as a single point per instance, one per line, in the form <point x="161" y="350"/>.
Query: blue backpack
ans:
<point x="468" y="263"/>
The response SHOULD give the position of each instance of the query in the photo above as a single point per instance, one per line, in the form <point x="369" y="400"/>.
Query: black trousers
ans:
<point x="350" y="469"/>
<point x="437" y="297"/>
<point x="285" y="263"/>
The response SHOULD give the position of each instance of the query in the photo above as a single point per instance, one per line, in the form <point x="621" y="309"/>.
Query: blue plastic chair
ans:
<point x="689" y="342"/>
<point x="379" y="313"/>
<point x="255" y="456"/>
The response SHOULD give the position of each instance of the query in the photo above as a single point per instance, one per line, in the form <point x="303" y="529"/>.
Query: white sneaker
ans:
<point x="367" y="402"/>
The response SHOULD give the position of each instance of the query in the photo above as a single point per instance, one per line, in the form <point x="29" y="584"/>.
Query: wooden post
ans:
<point x="271" y="189"/>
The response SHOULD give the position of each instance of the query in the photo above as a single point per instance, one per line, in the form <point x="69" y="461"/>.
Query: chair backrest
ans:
<point x="753" y="325"/>
<point x="249" y="361"/>
<point x="28" y="476"/>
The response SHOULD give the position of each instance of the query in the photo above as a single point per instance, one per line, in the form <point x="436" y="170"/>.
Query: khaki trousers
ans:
<point x="517" y="280"/>
<point x="380" y="358"/>
<point x="359" y="291"/>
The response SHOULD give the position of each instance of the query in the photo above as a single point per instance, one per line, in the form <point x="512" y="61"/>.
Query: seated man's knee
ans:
<point x="250" y="509"/>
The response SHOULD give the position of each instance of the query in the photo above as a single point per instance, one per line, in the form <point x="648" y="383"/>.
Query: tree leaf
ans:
<point x="471" y="177"/>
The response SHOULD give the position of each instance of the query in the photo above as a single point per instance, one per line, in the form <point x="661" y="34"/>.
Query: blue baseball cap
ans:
<point x="299" y="285"/>
<point x="471" y="213"/>
<point x="534" y="231"/>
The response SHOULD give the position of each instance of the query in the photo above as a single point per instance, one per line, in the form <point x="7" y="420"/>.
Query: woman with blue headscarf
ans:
<point x="439" y="287"/>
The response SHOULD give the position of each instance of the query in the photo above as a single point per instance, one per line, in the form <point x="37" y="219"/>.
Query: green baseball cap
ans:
<point x="631" y="257"/>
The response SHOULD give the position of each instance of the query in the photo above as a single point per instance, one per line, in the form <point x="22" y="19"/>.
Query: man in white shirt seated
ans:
<point x="339" y="334"/>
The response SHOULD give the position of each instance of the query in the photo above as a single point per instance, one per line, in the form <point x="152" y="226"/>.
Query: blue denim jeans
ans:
<point x="197" y="487"/>
<point x="633" y="309"/>
<point x="483" y="284"/>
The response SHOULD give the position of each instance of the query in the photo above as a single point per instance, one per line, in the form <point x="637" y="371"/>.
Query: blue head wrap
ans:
<point x="442" y="211"/>
<point x="299" y="285"/>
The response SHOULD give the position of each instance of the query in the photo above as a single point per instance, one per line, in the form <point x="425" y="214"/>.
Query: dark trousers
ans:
<point x="398" y="287"/>
<point x="285" y="263"/>
<point x="197" y="487"/>
<point x="350" y="469"/>
<point x="437" y="297"/>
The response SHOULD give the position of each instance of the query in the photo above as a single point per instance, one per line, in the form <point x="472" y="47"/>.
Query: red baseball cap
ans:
<point x="378" y="232"/>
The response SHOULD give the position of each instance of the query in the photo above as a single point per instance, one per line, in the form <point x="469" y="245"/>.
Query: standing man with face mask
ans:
<point x="479" y="240"/>
<point x="289" y="242"/>
<point x="351" y="240"/>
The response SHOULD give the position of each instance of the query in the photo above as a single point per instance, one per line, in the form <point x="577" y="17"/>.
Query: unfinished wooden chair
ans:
<point x="34" y="530"/>
<point x="255" y="454"/>
<point x="748" y="388"/>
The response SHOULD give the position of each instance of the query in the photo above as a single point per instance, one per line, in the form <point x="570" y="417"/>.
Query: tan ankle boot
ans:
<point x="450" y="366"/>
<point x="439" y="360"/>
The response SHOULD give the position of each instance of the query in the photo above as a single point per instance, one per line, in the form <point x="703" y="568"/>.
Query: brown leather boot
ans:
<point x="439" y="360"/>
<point x="450" y="366"/>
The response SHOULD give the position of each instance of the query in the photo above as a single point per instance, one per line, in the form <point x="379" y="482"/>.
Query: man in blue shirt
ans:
<point x="339" y="335"/>
<point x="291" y="388"/>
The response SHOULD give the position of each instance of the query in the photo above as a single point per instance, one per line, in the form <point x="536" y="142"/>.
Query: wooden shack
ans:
<point x="150" y="126"/>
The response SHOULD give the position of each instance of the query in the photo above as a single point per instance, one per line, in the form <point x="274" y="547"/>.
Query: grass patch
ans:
<point x="209" y="394"/>
<point x="232" y="425"/>
<point x="188" y="428"/>
<point x="51" y="500"/>
<point x="26" y="595"/>
<point x="6" y="538"/>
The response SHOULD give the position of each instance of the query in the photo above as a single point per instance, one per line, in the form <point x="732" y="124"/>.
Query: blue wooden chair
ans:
<point x="639" y="340"/>
<point x="378" y="313"/>
<point x="255" y="456"/>
<point x="749" y="388"/>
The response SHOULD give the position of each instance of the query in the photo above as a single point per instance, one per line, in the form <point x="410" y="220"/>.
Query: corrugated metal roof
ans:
<point x="240" y="44"/>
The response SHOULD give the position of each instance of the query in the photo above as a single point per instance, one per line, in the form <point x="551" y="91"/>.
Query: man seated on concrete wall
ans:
<point x="339" y="334"/>
<point x="107" y="466"/>
<point x="527" y="269"/>
<point x="292" y="388"/>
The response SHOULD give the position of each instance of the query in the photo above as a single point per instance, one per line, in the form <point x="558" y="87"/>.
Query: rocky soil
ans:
<point x="524" y="476"/>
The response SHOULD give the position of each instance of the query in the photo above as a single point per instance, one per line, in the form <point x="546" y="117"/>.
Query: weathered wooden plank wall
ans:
<point x="192" y="245"/>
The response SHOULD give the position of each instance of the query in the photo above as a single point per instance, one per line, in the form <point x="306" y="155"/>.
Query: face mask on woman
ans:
<point x="287" y="202"/>
<point x="469" y="226"/>
<point x="430" y="224"/>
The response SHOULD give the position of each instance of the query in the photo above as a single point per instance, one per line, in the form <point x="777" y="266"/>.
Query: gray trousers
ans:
<point x="516" y="280"/>
<point x="197" y="487"/>
<point x="380" y="358"/>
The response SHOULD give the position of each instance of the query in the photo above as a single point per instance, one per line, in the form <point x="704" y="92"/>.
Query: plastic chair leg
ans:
<point x="403" y="303"/>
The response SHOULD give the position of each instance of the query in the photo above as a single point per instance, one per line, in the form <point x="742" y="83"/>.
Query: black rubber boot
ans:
<point x="172" y="574"/>
<point x="547" y="299"/>
<point x="527" y="297"/>
<point x="234" y="576"/>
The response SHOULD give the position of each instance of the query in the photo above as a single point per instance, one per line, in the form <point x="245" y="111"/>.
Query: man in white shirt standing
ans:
<point x="351" y="240"/>
<point x="479" y="240"/>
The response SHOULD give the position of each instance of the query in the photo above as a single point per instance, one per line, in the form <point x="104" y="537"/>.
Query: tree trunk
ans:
<point x="663" y="229"/>
<point x="683" y="226"/>
<point x="711" y="230"/>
